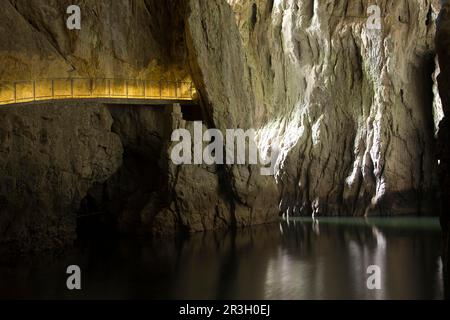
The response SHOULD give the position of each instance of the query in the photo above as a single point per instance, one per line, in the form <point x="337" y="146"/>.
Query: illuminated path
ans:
<point x="125" y="91"/>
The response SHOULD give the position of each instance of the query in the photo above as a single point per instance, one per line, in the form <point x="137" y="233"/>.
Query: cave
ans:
<point x="113" y="207"/>
<point x="353" y="118"/>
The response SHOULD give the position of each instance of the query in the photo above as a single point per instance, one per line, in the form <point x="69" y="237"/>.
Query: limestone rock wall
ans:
<point x="122" y="39"/>
<point x="349" y="106"/>
<point x="348" y="109"/>
<point x="54" y="155"/>
<point x="443" y="154"/>
<point x="50" y="156"/>
<point x="132" y="178"/>
<point x="220" y="72"/>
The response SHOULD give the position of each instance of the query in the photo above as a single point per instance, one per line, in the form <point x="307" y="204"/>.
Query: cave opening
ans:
<point x="254" y="17"/>
<point x="114" y="208"/>
<point x="192" y="113"/>
<point x="93" y="221"/>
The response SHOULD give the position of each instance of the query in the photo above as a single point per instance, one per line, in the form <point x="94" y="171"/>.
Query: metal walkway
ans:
<point x="126" y="91"/>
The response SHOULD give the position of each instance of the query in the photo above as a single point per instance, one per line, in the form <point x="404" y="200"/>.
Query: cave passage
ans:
<point x="113" y="208"/>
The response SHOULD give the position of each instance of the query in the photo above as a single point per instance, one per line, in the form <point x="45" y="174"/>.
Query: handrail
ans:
<point x="21" y="91"/>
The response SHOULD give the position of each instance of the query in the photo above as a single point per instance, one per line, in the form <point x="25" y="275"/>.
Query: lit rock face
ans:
<point x="129" y="39"/>
<point x="349" y="106"/>
<point x="51" y="155"/>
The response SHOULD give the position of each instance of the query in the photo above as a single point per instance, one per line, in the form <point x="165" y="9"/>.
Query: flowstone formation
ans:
<point x="349" y="104"/>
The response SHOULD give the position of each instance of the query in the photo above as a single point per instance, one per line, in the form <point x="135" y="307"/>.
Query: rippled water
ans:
<point x="295" y="259"/>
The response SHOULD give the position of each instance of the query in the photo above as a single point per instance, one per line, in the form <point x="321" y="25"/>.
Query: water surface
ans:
<point x="295" y="259"/>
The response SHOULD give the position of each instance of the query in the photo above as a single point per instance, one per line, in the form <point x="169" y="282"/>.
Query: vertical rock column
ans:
<point x="220" y="71"/>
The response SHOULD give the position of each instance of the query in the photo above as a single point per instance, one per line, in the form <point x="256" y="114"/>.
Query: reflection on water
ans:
<point x="296" y="259"/>
<point x="328" y="259"/>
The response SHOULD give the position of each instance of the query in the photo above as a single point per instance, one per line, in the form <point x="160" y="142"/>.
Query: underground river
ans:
<point x="298" y="258"/>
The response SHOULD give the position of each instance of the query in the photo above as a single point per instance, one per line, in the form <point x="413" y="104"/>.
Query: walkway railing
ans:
<point x="85" y="88"/>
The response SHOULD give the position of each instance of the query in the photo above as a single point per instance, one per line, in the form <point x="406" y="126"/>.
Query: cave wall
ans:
<point x="219" y="69"/>
<point x="443" y="149"/>
<point x="348" y="109"/>
<point x="50" y="156"/>
<point x="123" y="39"/>
<point x="136" y="182"/>
<point x="349" y="106"/>
<point x="55" y="155"/>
